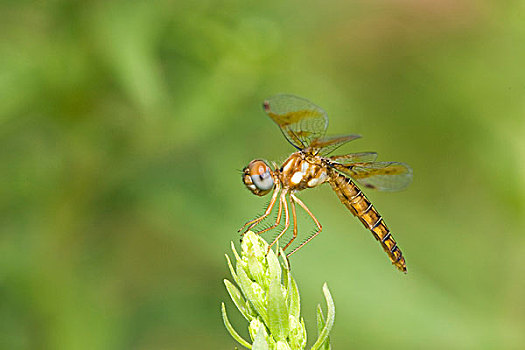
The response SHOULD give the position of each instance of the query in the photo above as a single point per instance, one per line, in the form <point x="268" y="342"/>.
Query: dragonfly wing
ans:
<point x="351" y="158"/>
<point x="300" y="120"/>
<point x="328" y="144"/>
<point x="383" y="176"/>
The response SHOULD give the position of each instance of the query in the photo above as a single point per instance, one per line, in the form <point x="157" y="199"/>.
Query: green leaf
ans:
<point x="257" y="301"/>
<point x="277" y="311"/>
<point x="274" y="266"/>
<point x="294" y="300"/>
<point x="259" y="342"/>
<point x="232" y="270"/>
<point x="237" y="257"/>
<point x="238" y="299"/>
<point x="256" y="269"/>
<point x="285" y="259"/>
<point x="286" y="282"/>
<point x="320" y="320"/>
<point x="323" y="335"/>
<point x="304" y="334"/>
<point x="320" y="326"/>
<point x="297" y="336"/>
<point x="231" y="330"/>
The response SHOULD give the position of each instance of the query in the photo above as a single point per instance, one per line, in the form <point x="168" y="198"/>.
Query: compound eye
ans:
<point x="260" y="174"/>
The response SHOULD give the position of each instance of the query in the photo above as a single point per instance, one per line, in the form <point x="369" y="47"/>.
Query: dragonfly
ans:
<point x="304" y="125"/>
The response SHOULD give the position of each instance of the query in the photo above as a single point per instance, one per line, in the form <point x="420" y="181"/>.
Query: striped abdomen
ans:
<point x="360" y="206"/>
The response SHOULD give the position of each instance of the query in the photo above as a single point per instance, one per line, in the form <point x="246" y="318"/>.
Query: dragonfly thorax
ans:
<point x="299" y="172"/>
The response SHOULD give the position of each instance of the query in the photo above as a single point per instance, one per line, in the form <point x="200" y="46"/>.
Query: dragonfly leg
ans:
<point x="278" y="221"/>
<point x="294" y="218"/>
<point x="286" y="219"/>
<point x="255" y="221"/>
<point x="319" y="227"/>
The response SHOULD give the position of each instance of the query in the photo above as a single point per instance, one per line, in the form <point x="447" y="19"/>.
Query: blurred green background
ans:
<point x="124" y="124"/>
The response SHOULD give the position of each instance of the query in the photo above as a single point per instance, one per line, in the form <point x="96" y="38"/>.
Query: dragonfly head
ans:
<point x="258" y="177"/>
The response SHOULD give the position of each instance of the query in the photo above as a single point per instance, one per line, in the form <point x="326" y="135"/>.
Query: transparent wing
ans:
<point x="328" y="144"/>
<point x="300" y="120"/>
<point x="351" y="158"/>
<point x="383" y="176"/>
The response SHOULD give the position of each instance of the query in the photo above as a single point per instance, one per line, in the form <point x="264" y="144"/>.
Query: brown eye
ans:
<point x="260" y="174"/>
<point x="258" y="177"/>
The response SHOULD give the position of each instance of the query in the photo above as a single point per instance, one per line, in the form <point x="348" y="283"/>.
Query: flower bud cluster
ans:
<point x="268" y="298"/>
